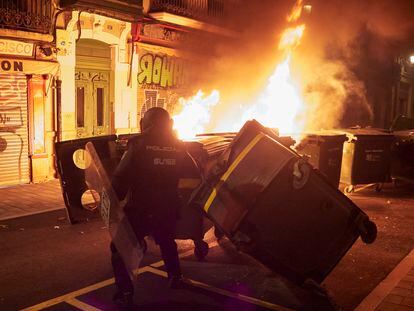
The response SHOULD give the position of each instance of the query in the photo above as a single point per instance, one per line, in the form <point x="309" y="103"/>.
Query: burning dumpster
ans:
<point x="402" y="155"/>
<point x="325" y="153"/>
<point x="366" y="158"/>
<point x="274" y="206"/>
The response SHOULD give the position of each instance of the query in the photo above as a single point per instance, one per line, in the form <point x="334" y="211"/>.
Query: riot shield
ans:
<point x="112" y="214"/>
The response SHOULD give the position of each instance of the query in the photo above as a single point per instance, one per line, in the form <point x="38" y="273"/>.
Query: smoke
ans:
<point x="346" y="60"/>
<point x="344" y="65"/>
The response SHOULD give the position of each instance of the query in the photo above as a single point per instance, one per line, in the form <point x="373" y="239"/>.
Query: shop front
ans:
<point x="26" y="118"/>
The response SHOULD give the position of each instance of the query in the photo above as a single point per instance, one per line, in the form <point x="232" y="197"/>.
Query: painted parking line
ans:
<point x="71" y="299"/>
<point x="223" y="292"/>
<point x="81" y="305"/>
<point x="68" y="298"/>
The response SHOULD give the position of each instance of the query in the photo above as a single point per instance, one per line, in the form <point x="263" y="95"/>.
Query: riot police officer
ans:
<point x="148" y="177"/>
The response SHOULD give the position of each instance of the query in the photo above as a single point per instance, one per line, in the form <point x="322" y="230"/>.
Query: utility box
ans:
<point x="324" y="150"/>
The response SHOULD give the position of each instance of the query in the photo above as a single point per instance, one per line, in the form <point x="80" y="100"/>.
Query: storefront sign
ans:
<point x="150" y="32"/>
<point x="18" y="48"/>
<point x="27" y="66"/>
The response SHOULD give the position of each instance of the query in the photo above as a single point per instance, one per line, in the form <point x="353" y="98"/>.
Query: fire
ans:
<point x="280" y="103"/>
<point x="291" y="37"/>
<point x="278" y="106"/>
<point x="296" y="12"/>
<point x="195" y="114"/>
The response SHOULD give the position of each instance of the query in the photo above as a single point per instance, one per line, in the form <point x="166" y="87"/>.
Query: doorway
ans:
<point x="92" y="85"/>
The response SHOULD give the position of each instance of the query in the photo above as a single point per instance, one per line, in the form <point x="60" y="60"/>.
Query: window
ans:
<point x="99" y="106"/>
<point x="80" y="106"/>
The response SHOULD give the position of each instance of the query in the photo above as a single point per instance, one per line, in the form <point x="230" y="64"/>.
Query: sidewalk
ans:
<point x="395" y="292"/>
<point x="23" y="200"/>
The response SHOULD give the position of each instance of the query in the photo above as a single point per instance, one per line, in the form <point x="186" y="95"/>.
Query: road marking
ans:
<point x="388" y="284"/>
<point x="363" y="187"/>
<point x="223" y="292"/>
<point x="81" y="305"/>
<point x="69" y="296"/>
<point x="72" y="295"/>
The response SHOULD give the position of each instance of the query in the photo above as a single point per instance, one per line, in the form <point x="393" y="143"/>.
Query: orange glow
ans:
<point x="194" y="114"/>
<point x="291" y="37"/>
<point x="296" y="12"/>
<point x="279" y="105"/>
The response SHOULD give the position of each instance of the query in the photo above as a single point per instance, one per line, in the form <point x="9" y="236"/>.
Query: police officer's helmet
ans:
<point x="156" y="118"/>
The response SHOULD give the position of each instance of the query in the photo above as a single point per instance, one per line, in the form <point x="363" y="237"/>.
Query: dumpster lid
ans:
<point x="404" y="136"/>
<point x="323" y="136"/>
<point x="366" y="133"/>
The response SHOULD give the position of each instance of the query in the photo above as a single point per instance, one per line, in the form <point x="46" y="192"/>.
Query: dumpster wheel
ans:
<point x="349" y="189"/>
<point x="378" y="187"/>
<point x="201" y="249"/>
<point x="368" y="231"/>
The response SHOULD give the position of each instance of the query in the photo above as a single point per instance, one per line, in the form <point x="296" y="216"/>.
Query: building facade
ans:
<point x="72" y="69"/>
<point x="28" y="69"/>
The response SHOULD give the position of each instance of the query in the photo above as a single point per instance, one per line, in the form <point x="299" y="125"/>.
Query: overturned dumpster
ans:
<point x="274" y="206"/>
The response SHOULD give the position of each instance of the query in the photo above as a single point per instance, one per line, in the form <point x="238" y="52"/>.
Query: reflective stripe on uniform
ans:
<point x="232" y="167"/>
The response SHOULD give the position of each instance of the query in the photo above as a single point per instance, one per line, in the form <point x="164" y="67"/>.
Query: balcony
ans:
<point x="126" y="10"/>
<point x="203" y="10"/>
<point x="28" y="15"/>
<point x="207" y="15"/>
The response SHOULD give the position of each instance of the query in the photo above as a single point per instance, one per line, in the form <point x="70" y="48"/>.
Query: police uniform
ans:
<point x="148" y="176"/>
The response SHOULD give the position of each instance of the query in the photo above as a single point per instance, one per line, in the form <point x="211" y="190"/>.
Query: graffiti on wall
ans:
<point x="156" y="98"/>
<point x="13" y="93"/>
<point x="161" y="71"/>
<point x="161" y="80"/>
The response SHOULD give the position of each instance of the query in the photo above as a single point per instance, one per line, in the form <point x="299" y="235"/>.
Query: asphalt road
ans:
<point x="43" y="257"/>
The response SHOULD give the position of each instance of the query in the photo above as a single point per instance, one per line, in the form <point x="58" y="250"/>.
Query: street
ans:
<point x="44" y="260"/>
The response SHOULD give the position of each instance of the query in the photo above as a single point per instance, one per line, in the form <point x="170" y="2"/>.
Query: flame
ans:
<point x="296" y="12"/>
<point x="280" y="103"/>
<point x="278" y="106"/>
<point x="195" y="114"/>
<point x="290" y="38"/>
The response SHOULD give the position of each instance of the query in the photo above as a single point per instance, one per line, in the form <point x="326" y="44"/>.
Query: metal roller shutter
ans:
<point x="14" y="159"/>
